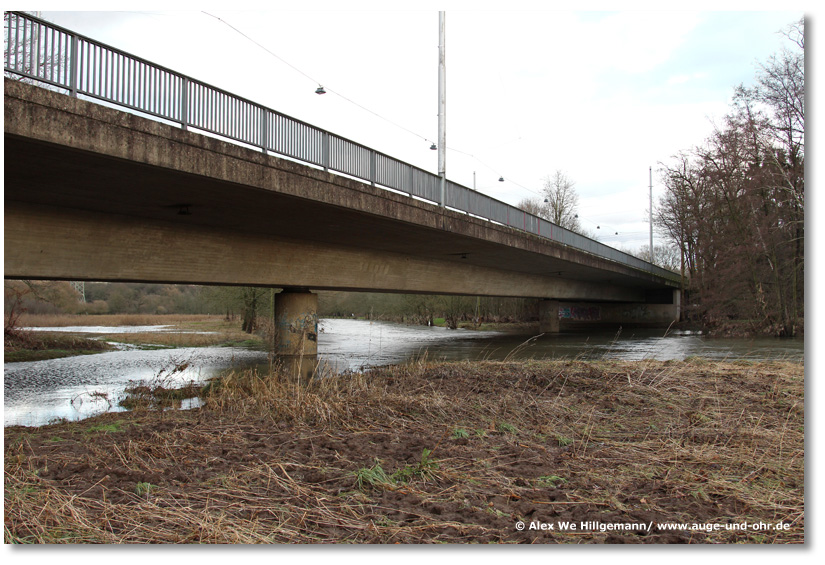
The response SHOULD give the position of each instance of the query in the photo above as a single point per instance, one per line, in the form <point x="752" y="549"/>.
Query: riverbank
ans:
<point x="180" y="331"/>
<point x="21" y="345"/>
<point x="433" y="452"/>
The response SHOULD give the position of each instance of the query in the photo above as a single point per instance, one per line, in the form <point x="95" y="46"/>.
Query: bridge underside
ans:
<point x="92" y="193"/>
<point x="47" y="242"/>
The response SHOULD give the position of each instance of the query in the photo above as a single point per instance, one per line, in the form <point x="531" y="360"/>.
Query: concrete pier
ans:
<point x="549" y="316"/>
<point x="296" y="331"/>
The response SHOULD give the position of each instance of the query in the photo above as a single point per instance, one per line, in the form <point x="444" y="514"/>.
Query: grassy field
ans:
<point x="188" y="331"/>
<point x="690" y="452"/>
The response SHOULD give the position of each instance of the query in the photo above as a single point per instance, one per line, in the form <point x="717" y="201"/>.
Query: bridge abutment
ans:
<point x="296" y="331"/>
<point x="662" y="309"/>
<point x="583" y="315"/>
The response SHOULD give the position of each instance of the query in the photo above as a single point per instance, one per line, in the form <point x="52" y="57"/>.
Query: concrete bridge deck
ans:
<point x="94" y="193"/>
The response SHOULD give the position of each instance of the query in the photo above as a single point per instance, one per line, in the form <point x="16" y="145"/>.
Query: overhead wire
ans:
<point x="366" y="109"/>
<point x="361" y="106"/>
<point x="326" y="88"/>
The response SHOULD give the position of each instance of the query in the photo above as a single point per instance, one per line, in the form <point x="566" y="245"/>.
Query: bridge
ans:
<point x="122" y="170"/>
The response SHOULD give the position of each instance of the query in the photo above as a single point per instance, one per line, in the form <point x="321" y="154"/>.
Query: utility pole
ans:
<point x="442" y="110"/>
<point x="651" y="214"/>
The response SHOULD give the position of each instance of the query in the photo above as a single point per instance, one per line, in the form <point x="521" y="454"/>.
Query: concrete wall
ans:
<point x="579" y="315"/>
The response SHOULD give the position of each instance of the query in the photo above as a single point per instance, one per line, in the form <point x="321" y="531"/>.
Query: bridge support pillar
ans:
<point x="296" y="332"/>
<point x="677" y="305"/>
<point x="549" y="316"/>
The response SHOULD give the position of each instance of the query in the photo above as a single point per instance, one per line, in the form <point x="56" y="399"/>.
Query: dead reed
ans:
<point x="186" y="331"/>
<point x="60" y="320"/>
<point x="22" y="345"/>
<point x="430" y="452"/>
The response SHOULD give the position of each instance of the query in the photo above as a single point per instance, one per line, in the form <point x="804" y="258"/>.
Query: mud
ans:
<point x="455" y="453"/>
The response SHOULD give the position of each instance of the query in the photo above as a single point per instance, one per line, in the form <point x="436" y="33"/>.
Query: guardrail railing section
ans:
<point x="36" y="50"/>
<point x="116" y="77"/>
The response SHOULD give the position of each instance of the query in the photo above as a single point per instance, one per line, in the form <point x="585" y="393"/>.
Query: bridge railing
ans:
<point x="43" y="52"/>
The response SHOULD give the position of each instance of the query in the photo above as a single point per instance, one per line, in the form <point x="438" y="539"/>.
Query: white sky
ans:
<point x="601" y="96"/>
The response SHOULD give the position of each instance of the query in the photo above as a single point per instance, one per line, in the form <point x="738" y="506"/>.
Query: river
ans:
<point x="72" y="388"/>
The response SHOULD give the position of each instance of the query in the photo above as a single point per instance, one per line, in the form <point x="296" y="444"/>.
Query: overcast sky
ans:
<point x="601" y="96"/>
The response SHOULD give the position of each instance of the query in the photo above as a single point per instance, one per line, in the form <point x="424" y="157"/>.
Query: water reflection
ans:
<point x="79" y="387"/>
<point x="353" y="343"/>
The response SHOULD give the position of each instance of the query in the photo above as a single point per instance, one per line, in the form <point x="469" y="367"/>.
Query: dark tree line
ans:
<point x="425" y="308"/>
<point x="734" y="206"/>
<point x="252" y="306"/>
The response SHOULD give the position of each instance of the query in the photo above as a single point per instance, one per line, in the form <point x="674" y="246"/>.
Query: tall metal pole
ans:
<point x="651" y="214"/>
<point x="442" y="109"/>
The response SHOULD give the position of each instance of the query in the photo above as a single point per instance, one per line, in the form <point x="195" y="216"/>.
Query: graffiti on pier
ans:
<point x="306" y="325"/>
<point x="583" y="313"/>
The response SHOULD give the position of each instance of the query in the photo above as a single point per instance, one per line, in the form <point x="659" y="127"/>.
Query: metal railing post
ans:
<point x="73" y="70"/>
<point x="184" y="104"/>
<point x="264" y="130"/>
<point x="325" y="150"/>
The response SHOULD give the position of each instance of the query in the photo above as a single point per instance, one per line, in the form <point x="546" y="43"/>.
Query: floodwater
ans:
<point x="78" y="387"/>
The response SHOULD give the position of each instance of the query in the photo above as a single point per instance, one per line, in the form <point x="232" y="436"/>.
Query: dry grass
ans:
<point x="229" y="336"/>
<point x="453" y="452"/>
<point x="62" y="320"/>
<point x="188" y="330"/>
<point x="20" y="345"/>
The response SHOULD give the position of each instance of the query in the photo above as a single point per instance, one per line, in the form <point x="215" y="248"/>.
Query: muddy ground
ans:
<point x="432" y="452"/>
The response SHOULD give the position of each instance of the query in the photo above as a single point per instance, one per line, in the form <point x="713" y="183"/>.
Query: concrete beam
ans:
<point x="45" y="242"/>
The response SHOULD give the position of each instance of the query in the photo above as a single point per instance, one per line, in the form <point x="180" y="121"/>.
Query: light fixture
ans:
<point x="500" y="179"/>
<point x="320" y="90"/>
<point x="433" y="147"/>
<point x="598" y="227"/>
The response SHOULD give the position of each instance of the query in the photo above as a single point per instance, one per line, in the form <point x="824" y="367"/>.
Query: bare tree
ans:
<point x="665" y="255"/>
<point x="562" y="201"/>
<point x="34" y="53"/>
<point x="734" y="206"/>
<point x="534" y="206"/>
<point x="250" y="301"/>
<point x="558" y="204"/>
